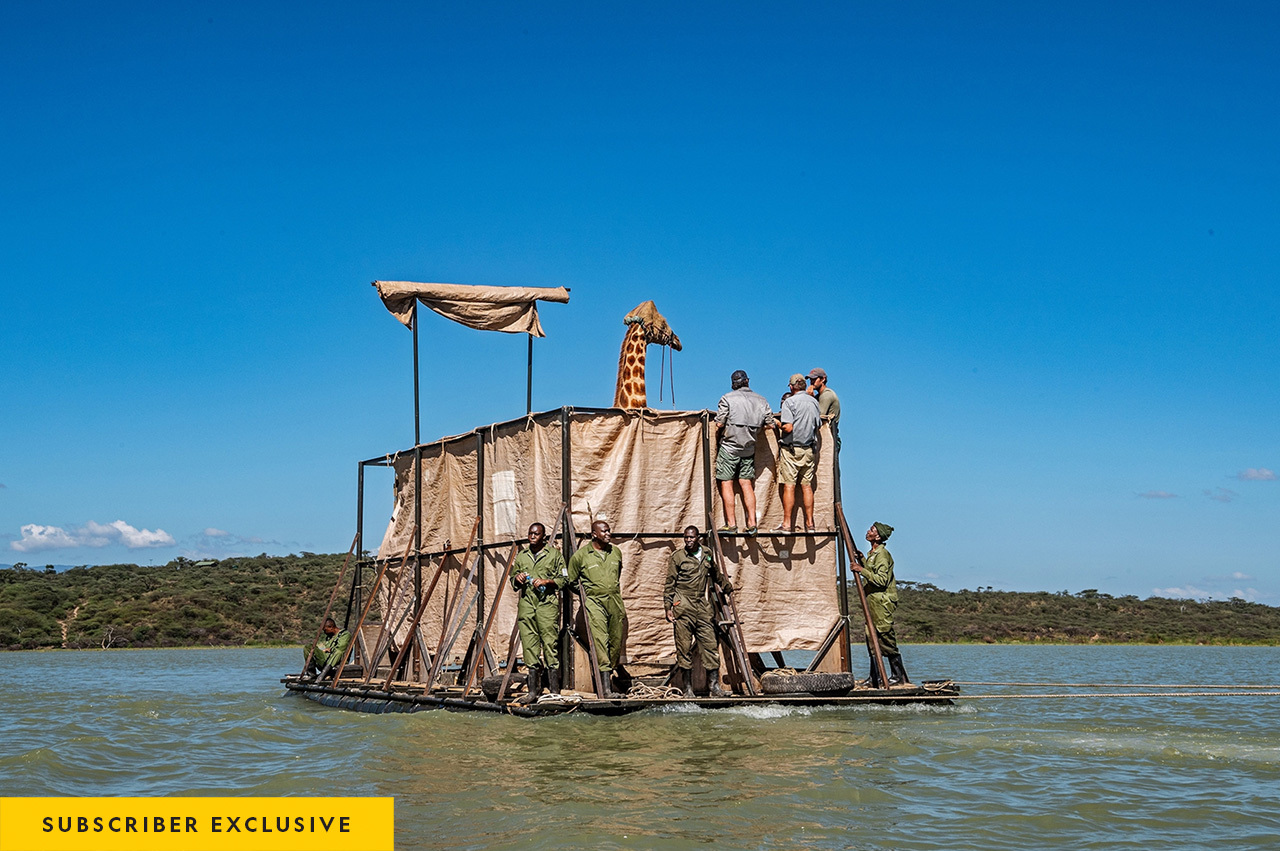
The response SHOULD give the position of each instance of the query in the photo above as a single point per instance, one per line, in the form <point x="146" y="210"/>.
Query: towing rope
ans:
<point x="1119" y="694"/>
<point x="1123" y="685"/>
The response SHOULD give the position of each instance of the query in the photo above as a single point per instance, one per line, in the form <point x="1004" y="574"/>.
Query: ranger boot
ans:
<point x="553" y="680"/>
<point x="533" y="688"/>
<point x="897" y="673"/>
<point x="873" y="679"/>
<point x="686" y="683"/>
<point x="713" y="684"/>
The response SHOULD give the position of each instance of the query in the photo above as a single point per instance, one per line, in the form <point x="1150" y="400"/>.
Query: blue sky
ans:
<point x="1035" y="247"/>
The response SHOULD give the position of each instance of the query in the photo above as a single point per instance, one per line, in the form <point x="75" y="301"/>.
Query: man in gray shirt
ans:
<point x="741" y="413"/>
<point x="797" y="453"/>
<point x="828" y="401"/>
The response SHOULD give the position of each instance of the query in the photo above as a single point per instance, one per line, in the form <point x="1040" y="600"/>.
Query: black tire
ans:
<point x="821" y="685"/>
<point x="490" y="685"/>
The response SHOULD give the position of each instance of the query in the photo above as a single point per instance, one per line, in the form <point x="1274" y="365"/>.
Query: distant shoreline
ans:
<point x="277" y="601"/>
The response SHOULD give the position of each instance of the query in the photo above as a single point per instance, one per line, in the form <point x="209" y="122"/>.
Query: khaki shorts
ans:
<point x="730" y="467"/>
<point x="795" y="465"/>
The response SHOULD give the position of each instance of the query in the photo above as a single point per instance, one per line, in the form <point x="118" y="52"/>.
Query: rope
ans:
<point x="640" y="691"/>
<point x="1120" y="694"/>
<point x="1122" y="685"/>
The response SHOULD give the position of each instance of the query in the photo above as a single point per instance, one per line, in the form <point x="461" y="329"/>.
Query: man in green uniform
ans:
<point x="326" y="654"/>
<point x="537" y="574"/>
<point x="598" y="567"/>
<point x="689" y="575"/>
<point x="882" y="600"/>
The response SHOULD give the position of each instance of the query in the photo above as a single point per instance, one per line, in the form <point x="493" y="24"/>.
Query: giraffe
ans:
<point x="645" y="325"/>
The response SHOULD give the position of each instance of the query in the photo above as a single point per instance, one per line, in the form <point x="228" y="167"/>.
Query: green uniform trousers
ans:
<point x="539" y="623"/>
<point x="693" y="629"/>
<point x="882" y="609"/>
<point x="605" y="616"/>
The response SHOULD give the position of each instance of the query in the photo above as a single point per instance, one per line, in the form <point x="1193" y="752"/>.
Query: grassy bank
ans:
<point x="279" y="600"/>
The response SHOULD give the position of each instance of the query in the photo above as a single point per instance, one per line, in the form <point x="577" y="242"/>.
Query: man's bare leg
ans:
<point x="806" y="497"/>
<point x="749" y="501"/>
<point x="788" y="495"/>
<point x="730" y="508"/>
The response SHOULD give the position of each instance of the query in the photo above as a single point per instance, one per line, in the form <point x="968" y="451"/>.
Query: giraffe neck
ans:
<point x="630" y="390"/>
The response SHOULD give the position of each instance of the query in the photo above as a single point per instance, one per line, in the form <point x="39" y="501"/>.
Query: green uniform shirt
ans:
<point x="330" y="648"/>
<point x="599" y="572"/>
<point x="877" y="574"/>
<point x="546" y="564"/>
<point x="688" y="576"/>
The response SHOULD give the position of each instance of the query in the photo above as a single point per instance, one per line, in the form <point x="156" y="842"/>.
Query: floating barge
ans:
<point x="409" y="697"/>
<point x="433" y="624"/>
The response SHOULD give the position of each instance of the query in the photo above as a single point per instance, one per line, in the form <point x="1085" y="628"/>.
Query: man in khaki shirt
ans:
<point x="828" y="401"/>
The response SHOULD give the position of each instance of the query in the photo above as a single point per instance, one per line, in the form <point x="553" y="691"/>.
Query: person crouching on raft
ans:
<point x="882" y="600"/>
<point x="326" y="654"/>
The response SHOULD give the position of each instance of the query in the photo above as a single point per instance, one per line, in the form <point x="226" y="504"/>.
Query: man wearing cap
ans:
<point x="828" y="401"/>
<point x="797" y="453"/>
<point x="690" y="573"/>
<point x="741" y="413"/>
<point x="882" y="600"/>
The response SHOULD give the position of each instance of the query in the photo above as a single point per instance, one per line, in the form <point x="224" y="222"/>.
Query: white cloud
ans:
<point x="1158" y="495"/>
<point x="1241" y="577"/>
<point x="1221" y="494"/>
<point x="1190" y="592"/>
<point x="219" y="543"/>
<point x="36" y="537"/>
<point x="1256" y="474"/>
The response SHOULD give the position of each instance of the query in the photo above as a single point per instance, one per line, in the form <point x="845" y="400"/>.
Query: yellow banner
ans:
<point x="196" y="824"/>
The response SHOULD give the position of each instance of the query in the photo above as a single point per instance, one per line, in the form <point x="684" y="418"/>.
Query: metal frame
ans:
<point x="568" y="540"/>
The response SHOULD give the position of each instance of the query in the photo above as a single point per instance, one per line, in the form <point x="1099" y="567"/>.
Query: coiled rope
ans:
<point x="640" y="691"/>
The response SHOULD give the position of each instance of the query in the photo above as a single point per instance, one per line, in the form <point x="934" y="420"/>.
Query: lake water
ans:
<point x="1114" y="773"/>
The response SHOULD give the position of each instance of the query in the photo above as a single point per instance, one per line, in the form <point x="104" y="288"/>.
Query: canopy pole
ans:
<point x="417" y="405"/>
<point x="528" y="397"/>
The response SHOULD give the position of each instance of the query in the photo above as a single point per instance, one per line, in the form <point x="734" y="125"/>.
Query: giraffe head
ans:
<point x="653" y="325"/>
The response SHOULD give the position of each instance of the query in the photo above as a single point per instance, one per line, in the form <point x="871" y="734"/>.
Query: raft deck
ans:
<point x="413" y="697"/>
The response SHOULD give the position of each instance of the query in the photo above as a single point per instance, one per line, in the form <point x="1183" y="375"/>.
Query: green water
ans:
<point x="1112" y="773"/>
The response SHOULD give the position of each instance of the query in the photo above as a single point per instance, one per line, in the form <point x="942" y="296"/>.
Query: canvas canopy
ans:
<point x="647" y="473"/>
<point x="513" y="310"/>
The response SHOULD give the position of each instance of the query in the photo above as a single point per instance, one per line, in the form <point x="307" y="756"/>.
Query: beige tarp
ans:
<point x="643" y="472"/>
<point x="513" y="310"/>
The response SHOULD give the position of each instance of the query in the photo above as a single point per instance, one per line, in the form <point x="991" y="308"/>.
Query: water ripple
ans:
<point x="1109" y="774"/>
